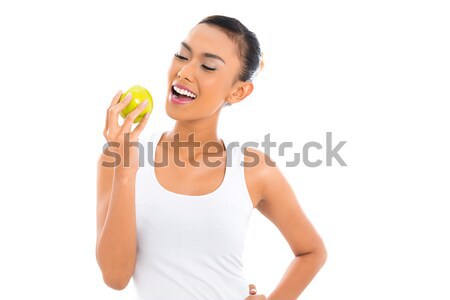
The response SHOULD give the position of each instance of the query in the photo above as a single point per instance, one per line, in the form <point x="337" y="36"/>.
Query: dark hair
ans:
<point x="246" y="40"/>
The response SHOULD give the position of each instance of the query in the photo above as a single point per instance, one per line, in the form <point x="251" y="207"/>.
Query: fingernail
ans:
<point x="252" y="291"/>
<point x="144" y="103"/>
<point x="128" y="96"/>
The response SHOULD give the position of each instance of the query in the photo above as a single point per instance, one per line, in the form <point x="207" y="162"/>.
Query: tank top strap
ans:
<point x="237" y="173"/>
<point x="153" y="140"/>
<point x="233" y="159"/>
<point x="149" y="144"/>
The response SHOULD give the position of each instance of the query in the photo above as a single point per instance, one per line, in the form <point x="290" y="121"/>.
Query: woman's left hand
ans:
<point x="253" y="295"/>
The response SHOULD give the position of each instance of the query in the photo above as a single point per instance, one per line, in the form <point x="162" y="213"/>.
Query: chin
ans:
<point x="173" y="113"/>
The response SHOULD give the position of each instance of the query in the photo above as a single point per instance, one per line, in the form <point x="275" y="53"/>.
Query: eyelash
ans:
<point x="184" y="58"/>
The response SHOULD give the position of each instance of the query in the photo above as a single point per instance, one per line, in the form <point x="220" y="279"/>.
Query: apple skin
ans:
<point x="139" y="94"/>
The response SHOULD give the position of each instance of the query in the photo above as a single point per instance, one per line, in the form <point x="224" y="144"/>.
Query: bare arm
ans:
<point x="116" y="225"/>
<point x="116" y="245"/>
<point x="280" y="205"/>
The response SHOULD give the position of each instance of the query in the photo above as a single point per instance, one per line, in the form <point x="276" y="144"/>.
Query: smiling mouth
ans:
<point x="183" y="94"/>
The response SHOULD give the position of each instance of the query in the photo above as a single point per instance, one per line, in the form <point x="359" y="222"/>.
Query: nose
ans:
<point x="187" y="72"/>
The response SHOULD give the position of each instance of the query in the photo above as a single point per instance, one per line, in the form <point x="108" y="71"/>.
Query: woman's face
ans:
<point x="207" y="65"/>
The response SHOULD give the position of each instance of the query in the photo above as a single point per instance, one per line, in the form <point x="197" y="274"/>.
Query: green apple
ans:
<point x="138" y="94"/>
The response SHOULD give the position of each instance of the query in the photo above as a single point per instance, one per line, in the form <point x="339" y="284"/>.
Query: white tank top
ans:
<point x="191" y="247"/>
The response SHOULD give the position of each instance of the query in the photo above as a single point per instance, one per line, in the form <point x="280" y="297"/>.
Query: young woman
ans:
<point x="178" y="229"/>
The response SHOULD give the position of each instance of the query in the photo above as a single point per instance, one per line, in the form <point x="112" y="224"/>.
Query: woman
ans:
<point x="179" y="230"/>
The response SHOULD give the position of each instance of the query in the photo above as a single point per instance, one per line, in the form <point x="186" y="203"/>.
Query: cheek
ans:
<point x="171" y="70"/>
<point x="218" y="85"/>
<point x="174" y="67"/>
<point x="215" y="89"/>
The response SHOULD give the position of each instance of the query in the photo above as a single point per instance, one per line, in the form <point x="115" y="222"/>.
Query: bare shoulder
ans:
<point x="266" y="177"/>
<point x="258" y="167"/>
<point x="280" y="205"/>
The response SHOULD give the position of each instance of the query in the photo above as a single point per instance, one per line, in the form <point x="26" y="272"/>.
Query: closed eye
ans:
<point x="180" y="57"/>
<point x="208" y="68"/>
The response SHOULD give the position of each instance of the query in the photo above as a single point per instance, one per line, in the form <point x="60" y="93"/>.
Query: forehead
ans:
<point x="204" y="38"/>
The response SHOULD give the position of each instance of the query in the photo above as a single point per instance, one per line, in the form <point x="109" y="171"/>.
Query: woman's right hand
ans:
<point x="115" y="135"/>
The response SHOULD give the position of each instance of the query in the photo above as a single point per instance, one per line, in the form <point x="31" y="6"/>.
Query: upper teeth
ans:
<point x="184" y="92"/>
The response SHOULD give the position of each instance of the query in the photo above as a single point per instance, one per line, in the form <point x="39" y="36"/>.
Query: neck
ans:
<point x="197" y="140"/>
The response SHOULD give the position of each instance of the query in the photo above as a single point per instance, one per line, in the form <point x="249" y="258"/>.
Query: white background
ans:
<point x="374" y="73"/>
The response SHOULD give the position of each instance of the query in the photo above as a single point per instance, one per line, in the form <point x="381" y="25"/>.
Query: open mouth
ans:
<point x="182" y="94"/>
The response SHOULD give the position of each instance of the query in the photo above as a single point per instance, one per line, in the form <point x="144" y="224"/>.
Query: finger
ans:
<point x="252" y="288"/>
<point x="114" y="101"/>
<point x="122" y="103"/>
<point x="116" y="98"/>
<point x="137" y="131"/>
<point x="133" y="115"/>
<point x="114" y="110"/>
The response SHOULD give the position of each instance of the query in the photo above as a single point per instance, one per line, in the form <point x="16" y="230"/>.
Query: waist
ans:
<point x="160" y="277"/>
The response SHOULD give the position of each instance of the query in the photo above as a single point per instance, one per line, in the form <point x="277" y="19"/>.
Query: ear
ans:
<point x="240" y="92"/>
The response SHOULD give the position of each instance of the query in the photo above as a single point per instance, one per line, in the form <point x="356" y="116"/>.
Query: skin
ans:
<point x="269" y="190"/>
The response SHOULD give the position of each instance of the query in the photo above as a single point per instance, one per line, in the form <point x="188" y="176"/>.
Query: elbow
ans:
<point x="322" y="254"/>
<point x="115" y="282"/>
<point x="318" y="254"/>
<point x="324" y="257"/>
<point x="114" y="279"/>
<point x="116" y="276"/>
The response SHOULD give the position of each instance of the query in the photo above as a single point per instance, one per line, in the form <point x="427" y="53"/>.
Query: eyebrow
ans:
<point x="204" y="54"/>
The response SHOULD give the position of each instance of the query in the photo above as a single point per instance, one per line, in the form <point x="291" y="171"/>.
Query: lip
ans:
<point x="177" y="101"/>
<point x="184" y="88"/>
